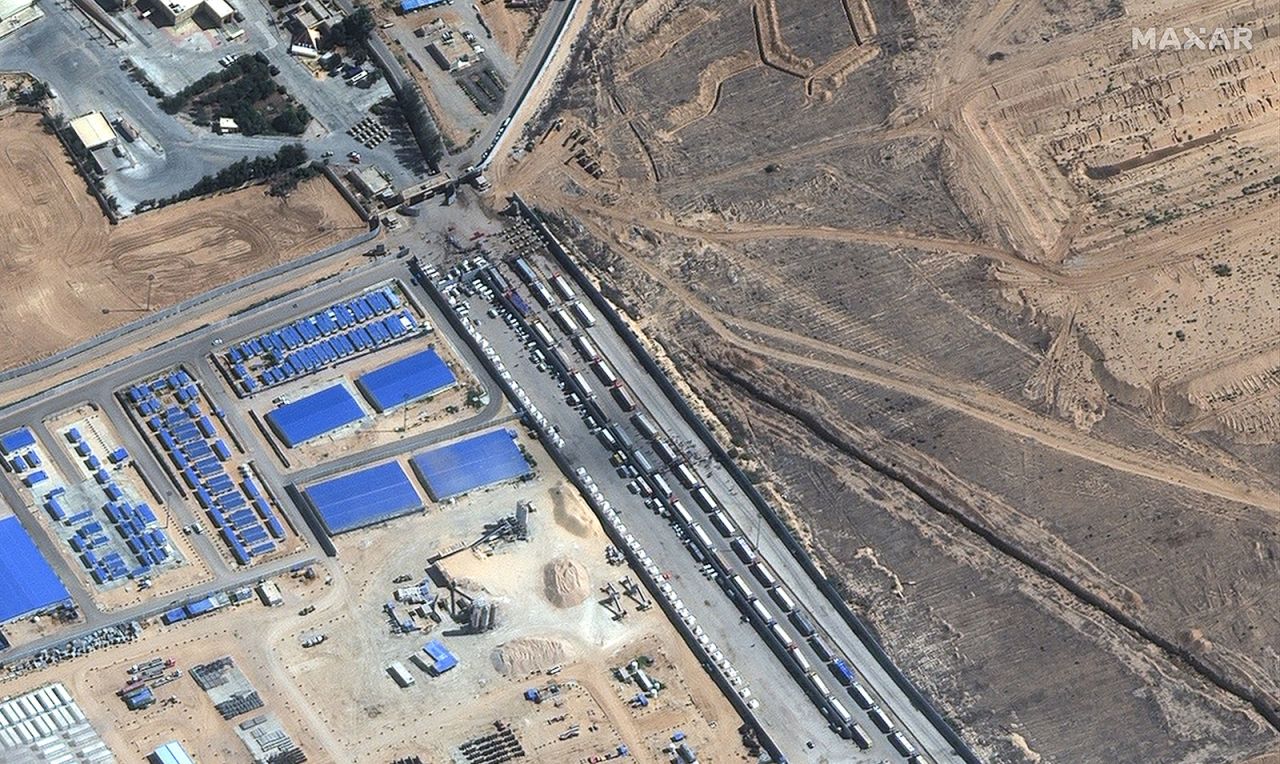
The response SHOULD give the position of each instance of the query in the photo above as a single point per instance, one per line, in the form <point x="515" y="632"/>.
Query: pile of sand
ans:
<point x="525" y="655"/>
<point x="565" y="582"/>
<point x="571" y="514"/>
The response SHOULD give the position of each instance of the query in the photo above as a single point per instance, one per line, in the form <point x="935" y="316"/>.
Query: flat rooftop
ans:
<point x="27" y="583"/>
<point x="472" y="463"/>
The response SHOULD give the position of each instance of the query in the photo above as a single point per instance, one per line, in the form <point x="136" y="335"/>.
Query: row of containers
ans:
<point x="238" y="510"/>
<point x="205" y="605"/>
<point x="340" y="331"/>
<point x="133" y="524"/>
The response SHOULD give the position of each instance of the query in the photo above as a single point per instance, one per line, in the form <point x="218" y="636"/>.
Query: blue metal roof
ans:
<point x="315" y="415"/>
<point x="413" y="5"/>
<point x="440" y="655"/>
<point x="478" y="461"/>
<point x="19" y="438"/>
<point x="27" y="583"/>
<point x="408" y="379"/>
<point x="365" y="497"/>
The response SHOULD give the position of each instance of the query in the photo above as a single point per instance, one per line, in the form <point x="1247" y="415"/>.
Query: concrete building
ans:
<point x="447" y="58"/>
<point x="15" y="13"/>
<point x="311" y="19"/>
<point x="218" y="11"/>
<point x="170" y="753"/>
<point x="269" y="593"/>
<point x="370" y="181"/>
<point x="174" y="12"/>
<point x="92" y="130"/>
<point x="13" y="7"/>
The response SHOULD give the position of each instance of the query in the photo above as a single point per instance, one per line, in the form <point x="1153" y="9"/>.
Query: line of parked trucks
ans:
<point x="648" y="481"/>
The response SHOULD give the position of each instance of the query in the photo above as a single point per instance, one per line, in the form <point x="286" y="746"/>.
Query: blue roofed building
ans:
<point x="315" y="415"/>
<point x="27" y="582"/>
<point x="407" y="6"/>
<point x="15" y="440"/>
<point x="441" y="659"/>
<point x="474" y="462"/>
<point x="410" y="379"/>
<point x="365" y="497"/>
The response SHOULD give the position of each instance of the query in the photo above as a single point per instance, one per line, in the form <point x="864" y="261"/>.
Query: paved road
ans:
<point x="787" y="709"/>
<point x="191" y="350"/>
<point x="153" y="608"/>
<point x="539" y="55"/>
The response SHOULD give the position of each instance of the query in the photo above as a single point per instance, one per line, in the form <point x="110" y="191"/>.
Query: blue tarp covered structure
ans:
<point x="18" y="439"/>
<point x="442" y="659"/>
<point x="417" y="5"/>
<point x="314" y="415"/>
<point x="363" y="498"/>
<point x="406" y="380"/>
<point x="27" y="583"/>
<point x="480" y="460"/>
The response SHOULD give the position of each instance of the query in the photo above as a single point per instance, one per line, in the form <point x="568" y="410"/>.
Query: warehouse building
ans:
<point x="372" y="182"/>
<point x="309" y="20"/>
<point x="409" y="6"/>
<point x="475" y="462"/>
<point x="170" y="753"/>
<point x="27" y="583"/>
<point x="92" y="130"/>
<point x="314" y="415"/>
<point x="362" y="498"/>
<point x="410" y="379"/>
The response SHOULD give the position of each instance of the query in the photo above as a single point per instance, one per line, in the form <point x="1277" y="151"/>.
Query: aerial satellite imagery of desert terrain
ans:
<point x="572" y="381"/>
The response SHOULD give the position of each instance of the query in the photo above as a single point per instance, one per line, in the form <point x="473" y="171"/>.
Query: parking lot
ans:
<point x="788" y="700"/>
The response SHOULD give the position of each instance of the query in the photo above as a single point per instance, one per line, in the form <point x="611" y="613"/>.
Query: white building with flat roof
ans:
<point x="92" y="129"/>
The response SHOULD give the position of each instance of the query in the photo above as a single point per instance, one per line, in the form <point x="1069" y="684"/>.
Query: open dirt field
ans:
<point x="374" y="720"/>
<point x="985" y="298"/>
<point x="71" y="275"/>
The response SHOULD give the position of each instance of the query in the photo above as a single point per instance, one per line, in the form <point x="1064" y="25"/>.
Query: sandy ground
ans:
<point x="100" y="275"/>
<point x="337" y="700"/>
<point x="373" y="719"/>
<point x="1027" y="269"/>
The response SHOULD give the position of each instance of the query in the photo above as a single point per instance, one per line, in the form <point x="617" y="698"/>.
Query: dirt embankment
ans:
<point x="525" y="655"/>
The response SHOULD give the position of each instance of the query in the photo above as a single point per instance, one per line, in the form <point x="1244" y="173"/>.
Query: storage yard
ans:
<point x="535" y="643"/>
<point x="73" y="276"/>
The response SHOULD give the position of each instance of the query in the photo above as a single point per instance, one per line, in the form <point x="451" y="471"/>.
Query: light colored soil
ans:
<point x="64" y="264"/>
<point x="911" y="252"/>
<point x="526" y="655"/>
<point x="566" y="582"/>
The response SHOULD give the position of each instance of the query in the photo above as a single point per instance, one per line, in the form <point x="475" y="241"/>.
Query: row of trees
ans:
<point x="352" y="33"/>
<point x="420" y="124"/>
<point x="282" y="164"/>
